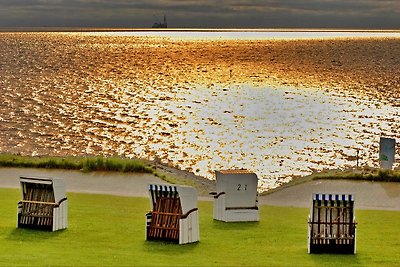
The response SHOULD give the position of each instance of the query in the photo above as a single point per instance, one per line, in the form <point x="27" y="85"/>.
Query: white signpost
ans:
<point x="387" y="147"/>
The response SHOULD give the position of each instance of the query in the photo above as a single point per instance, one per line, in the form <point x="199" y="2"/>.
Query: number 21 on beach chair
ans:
<point x="236" y="198"/>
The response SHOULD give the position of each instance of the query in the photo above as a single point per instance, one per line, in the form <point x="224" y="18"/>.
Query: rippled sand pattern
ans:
<point x="280" y="108"/>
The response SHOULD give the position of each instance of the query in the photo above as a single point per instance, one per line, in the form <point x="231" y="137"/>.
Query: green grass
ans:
<point x="109" y="231"/>
<point x="366" y="173"/>
<point x="355" y="174"/>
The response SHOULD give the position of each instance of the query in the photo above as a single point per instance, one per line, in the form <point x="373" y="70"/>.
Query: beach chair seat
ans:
<point x="331" y="224"/>
<point x="236" y="197"/>
<point x="174" y="214"/>
<point x="44" y="204"/>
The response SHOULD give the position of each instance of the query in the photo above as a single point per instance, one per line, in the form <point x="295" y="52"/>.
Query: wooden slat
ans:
<point x="328" y="223"/>
<point x="37" y="215"/>
<point x="165" y="218"/>
<point x="39" y="202"/>
<point x="37" y="205"/>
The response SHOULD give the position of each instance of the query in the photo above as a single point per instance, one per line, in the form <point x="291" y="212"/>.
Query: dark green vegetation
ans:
<point x="109" y="231"/>
<point x="357" y="174"/>
<point x="366" y="173"/>
<point x="86" y="164"/>
<point x="89" y="164"/>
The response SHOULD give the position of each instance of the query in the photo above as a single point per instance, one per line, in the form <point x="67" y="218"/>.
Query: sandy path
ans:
<point x="114" y="183"/>
<point x="369" y="195"/>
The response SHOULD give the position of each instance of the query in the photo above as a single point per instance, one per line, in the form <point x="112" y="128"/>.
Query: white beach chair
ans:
<point x="331" y="224"/>
<point x="236" y="198"/>
<point x="174" y="214"/>
<point x="44" y="204"/>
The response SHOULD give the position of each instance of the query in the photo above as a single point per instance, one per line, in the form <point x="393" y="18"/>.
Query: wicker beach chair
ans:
<point x="43" y="205"/>
<point x="174" y="214"/>
<point x="236" y="198"/>
<point x="331" y="224"/>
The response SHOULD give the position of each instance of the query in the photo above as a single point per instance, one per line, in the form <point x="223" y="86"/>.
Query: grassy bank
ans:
<point x="109" y="231"/>
<point x="366" y="174"/>
<point x="355" y="174"/>
<point x="89" y="164"/>
<point x="86" y="164"/>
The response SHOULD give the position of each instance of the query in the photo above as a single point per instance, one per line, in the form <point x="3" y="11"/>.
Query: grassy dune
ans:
<point x="355" y="174"/>
<point x="109" y="231"/>
<point x="89" y="164"/>
<point x="365" y="173"/>
<point x="86" y="164"/>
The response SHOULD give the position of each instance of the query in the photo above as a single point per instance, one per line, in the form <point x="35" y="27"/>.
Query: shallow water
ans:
<point x="77" y="94"/>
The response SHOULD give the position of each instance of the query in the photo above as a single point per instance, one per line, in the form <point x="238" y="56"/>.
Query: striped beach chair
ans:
<point x="174" y="214"/>
<point x="331" y="224"/>
<point x="236" y="198"/>
<point x="44" y="204"/>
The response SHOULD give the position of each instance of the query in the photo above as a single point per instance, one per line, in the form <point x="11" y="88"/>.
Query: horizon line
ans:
<point x="132" y="29"/>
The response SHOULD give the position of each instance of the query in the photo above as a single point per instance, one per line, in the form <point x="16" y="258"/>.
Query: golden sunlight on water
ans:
<point x="279" y="108"/>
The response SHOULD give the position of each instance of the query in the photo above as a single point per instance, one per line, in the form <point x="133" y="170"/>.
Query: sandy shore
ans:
<point x="113" y="183"/>
<point x="369" y="195"/>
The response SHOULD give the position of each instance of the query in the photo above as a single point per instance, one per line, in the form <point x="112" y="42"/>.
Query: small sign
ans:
<point x="387" y="147"/>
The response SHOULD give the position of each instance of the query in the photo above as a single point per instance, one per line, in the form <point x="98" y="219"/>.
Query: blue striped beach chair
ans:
<point x="174" y="214"/>
<point x="331" y="224"/>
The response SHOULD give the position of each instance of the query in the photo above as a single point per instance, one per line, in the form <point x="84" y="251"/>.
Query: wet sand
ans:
<point x="368" y="195"/>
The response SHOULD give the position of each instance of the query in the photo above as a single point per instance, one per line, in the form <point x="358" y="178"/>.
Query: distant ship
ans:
<point x="160" y="24"/>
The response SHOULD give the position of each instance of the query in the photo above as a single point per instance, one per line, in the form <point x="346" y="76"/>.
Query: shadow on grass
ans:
<point x="168" y="248"/>
<point x="228" y="226"/>
<point x="28" y="235"/>
<point x="334" y="259"/>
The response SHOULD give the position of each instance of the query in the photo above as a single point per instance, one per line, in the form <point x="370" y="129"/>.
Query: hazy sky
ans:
<point x="202" y="13"/>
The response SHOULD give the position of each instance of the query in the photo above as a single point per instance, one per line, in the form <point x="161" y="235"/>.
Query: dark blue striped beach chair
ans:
<point x="331" y="224"/>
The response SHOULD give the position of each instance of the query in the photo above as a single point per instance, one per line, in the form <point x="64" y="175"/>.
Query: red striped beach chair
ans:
<point x="174" y="214"/>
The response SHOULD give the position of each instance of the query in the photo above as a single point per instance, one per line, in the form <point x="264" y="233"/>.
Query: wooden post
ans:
<point x="358" y="157"/>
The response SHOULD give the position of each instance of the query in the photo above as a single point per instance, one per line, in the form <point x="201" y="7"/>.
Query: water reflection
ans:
<point x="277" y="108"/>
<point x="277" y="132"/>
